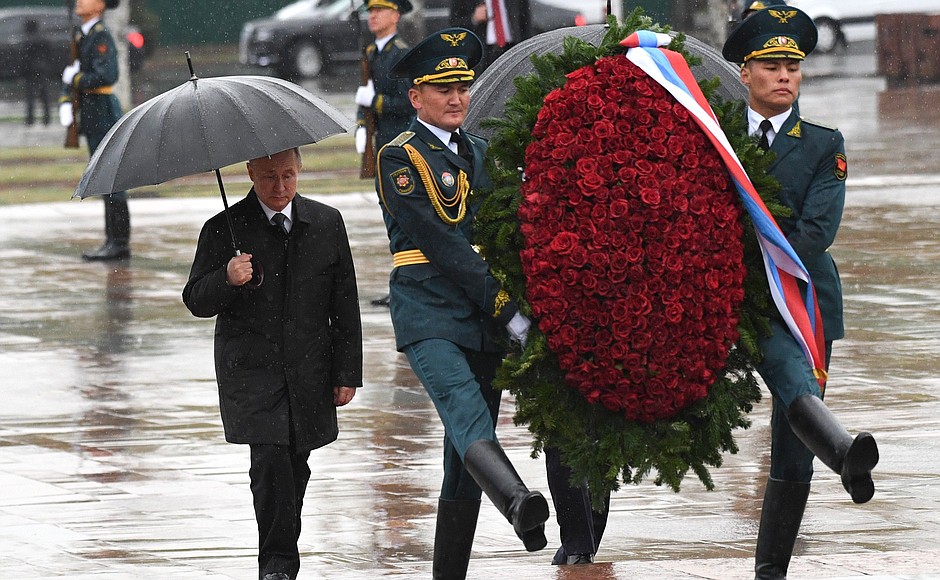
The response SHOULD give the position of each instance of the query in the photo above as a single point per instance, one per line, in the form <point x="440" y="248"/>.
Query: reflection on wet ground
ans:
<point x="112" y="462"/>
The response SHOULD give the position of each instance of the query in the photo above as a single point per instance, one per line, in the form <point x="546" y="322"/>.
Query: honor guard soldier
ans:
<point x="384" y="109"/>
<point x="91" y="77"/>
<point x="386" y="98"/>
<point x="450" y="315"/>
<point x="811" y="166"/>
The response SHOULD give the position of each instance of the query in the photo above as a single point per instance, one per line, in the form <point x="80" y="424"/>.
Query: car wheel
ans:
<point x="829" y="35"/>
<point x="306" y="59"/>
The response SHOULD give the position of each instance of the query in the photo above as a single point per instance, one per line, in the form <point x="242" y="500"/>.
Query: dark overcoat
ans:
<point x="811" y="167"/>
<point x="453" y="295"/>
<point x="280" y="349"/>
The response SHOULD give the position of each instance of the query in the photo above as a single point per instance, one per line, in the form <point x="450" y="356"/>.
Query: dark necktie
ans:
<point x="279" y="219"/>
<point x="462" y="149"/>
<point x="765" y="128"/>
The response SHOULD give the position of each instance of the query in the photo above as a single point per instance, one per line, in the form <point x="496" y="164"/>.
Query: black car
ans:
<point x="305" y="38"/>
<point x="53" y="27"/>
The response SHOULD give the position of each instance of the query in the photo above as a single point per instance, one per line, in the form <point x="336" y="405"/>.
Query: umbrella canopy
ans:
<point x="494" y="87"/>
<point x="203" y="125"/>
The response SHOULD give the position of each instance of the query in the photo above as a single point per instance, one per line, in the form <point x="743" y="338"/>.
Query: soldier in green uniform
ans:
<point x="811" y="166"/>
<point x="450" y="315"/>
<point x="93" y="76"/>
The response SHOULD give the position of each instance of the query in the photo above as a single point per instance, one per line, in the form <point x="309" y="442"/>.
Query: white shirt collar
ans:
<point x="754" y="118"/>
<point x="286" y="211"/>
<point x="381" y="42"/>
<point x="86" y="26"/>
<point x="441" y="134"/>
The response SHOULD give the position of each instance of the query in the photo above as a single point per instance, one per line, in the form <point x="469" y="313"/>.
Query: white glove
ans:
<point x="361" y="140"/>
<point x="518" y="328"/>
<point x="365" y="95"/>
<point x="70" y="71"/>
<point x="65" y="114"/>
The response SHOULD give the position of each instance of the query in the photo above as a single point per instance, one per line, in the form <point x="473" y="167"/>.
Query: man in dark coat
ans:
<point x="36" y="79"/>
<point x="451" y="316"/>
<point x="811" y="166"/>
<point x="93" y="76"/>
<point x="288" y="341"/>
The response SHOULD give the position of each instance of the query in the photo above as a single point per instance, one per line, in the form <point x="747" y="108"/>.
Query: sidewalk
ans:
<point x="113" y="465"/>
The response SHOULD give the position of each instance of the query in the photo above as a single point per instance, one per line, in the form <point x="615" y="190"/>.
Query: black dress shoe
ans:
<point x="383" y="301"/>
<point x="110" y="250"/>
<point x="276" y="576"/>
<point x="581" y="559"/>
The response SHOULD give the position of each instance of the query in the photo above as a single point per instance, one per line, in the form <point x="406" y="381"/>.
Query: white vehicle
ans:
<point x="843" y="21"/>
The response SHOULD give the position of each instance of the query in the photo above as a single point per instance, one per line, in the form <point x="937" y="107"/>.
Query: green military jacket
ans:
<point x="393" y="110"/>
<point x="811" y="167"/>
<point x="99" y="71"/>
<point x="441" y="287"/>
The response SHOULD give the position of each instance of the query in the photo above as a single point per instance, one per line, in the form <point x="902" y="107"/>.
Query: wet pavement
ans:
<point x="113" y="466"/>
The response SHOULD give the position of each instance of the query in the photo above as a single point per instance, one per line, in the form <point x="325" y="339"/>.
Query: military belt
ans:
<point x="408" y="258"/>
<point x="99" y="90"/>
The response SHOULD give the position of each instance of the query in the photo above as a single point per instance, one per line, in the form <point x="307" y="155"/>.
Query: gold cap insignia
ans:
<point x="454" y="39"/>
<point x="783" y="16"/>
<point x="452" y="63"/>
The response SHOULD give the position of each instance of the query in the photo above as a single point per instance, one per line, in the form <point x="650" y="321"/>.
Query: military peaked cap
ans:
<point x="447" y="56"/>
<point x="783" y="32"/>
<point x="111" y="3"/>
<point x="403" y="6"/>
<point x="752" y="6"/>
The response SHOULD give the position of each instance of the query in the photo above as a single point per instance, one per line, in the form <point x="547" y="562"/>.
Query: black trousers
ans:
<point x="581" y="528"/>
<point x="279" y="479"/>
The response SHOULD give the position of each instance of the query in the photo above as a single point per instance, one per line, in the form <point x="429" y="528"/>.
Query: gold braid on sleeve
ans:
<point x="438" y="200"/>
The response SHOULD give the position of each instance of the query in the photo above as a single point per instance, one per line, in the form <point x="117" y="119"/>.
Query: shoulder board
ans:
<point x="817" y="124"/>
<point x="402" y="138"/>
<point x="97" y="27"/>
<point x="400" y="43"/>
<point x="370" y="49"/>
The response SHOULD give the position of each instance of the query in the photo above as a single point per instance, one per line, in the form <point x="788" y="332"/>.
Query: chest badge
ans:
<point x="447" y="178"/>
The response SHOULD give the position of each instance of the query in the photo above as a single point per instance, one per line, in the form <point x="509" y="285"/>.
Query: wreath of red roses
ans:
<point x="633" y="256"/>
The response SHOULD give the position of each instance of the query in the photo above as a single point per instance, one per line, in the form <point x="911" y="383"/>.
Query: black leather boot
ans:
<point x="821" y="432"/>
<point x="780" y="517"/>
<point x="526" y="510"/>
<point x="117" y="230"/>
<point x="453" y="538"/>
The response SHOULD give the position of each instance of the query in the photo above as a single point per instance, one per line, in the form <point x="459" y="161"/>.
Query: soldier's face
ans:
<point x="383" y="21"/>
<point x="442" y="105"/>
<point x="773" y="84"/>
<point x="87" y="9"/>
<point x="275" y="178"/>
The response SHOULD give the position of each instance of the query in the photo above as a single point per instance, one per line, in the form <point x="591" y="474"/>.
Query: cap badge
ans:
<point x="454" y="39"/>
<point x="452" y="63"/>
<point x="783" y="16"/>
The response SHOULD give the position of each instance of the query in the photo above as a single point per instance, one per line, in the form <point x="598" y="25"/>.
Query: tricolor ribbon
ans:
<point x="783" y="266"/>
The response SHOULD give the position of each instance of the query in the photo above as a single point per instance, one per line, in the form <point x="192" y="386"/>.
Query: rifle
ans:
<point x="367" y="168"/>
<point x="71" y="134"/>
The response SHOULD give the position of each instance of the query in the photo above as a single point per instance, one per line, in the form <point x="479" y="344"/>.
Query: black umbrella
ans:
<point x="495" y="86"/>
<point x="204" y="125"/>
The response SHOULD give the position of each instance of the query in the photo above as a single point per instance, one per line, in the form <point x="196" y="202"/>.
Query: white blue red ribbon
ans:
<point x="799" y="310"/>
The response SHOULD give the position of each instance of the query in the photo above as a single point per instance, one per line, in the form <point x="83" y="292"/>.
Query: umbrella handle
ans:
<point x="257" y="276"/>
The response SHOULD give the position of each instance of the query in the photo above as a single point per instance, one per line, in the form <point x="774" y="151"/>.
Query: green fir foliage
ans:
<point x="602" y="447"/>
